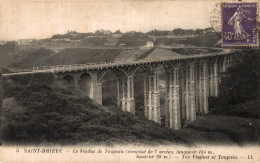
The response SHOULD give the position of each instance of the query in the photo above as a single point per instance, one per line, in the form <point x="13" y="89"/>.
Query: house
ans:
<point x="149" y="45"/>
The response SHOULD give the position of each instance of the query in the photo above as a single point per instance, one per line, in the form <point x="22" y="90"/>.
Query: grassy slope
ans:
<point x="27" y="59"/>
<point x="5" y="58"/>
<point x="52" y="112"/>
<point x="82" y="55"/>
<point x="207" y="40"/>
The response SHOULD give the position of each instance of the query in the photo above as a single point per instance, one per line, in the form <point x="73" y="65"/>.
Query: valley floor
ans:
<point x="221" y="130"/>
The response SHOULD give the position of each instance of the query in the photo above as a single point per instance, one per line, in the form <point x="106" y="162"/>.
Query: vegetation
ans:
<point x="134" y="39"/>
<point x="45" y="57"/>
<point x="180" y="32"/>
<point x="222" y="129"/>
<point x="206" y="40"/>
<point x="27" y="59"/>
<point x="94" y="41"/>
<point x="72" y="35"/>
<point x="239" y="89"/>
<point x="50" y="112"/>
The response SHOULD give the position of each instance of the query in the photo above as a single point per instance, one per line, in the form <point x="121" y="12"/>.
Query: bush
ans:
<point x="52" y="115"/>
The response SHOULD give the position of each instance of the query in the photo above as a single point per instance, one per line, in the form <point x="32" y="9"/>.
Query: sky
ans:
<point x="22" y="19"/>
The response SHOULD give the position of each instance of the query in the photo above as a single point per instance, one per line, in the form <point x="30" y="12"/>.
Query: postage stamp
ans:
<point x="239" y="24"/>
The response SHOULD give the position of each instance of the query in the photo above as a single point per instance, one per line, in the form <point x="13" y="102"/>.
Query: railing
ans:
<point x="102" y="65"/>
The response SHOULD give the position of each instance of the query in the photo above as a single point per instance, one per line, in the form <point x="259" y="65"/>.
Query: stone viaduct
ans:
<point x="190" y="80"/>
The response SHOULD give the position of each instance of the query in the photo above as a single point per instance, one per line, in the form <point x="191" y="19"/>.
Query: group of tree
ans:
<point x="134" y="39"/>
<point x="239" y="89"/>
<point x="76" y="36"/>
<point x="180" y="32"/>
<point x="73" y="35"/>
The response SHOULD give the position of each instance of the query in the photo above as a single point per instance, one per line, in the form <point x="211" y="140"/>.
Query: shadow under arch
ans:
<point x="85" y="83"/>
<point x="69" y="79"/>
<point x="109" y="81"/>
<point x="162" y="71"/>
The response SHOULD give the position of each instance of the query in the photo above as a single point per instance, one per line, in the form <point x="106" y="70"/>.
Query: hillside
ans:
<point x="27" y="59"/>
<point x="82" y="55"/>
<point x="207" y="40"/>
<point x="51" y="112"/>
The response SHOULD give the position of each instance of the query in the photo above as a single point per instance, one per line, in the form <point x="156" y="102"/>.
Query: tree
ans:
<point x="98" y="33"/>
<point x="199" y="31"/>
<point x="118" y="31"/>
<point x="178" y="31"/>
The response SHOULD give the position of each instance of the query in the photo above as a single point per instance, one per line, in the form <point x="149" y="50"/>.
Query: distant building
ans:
<point x="149" y="45"/>
<point x="27" y="42"/>
<point x="72" y="33"/>
<point x="116" y="35"/>
<point x="106" y="32"/>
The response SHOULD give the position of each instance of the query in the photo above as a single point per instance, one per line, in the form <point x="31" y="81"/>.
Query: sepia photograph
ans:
<point x="129" y="81"/>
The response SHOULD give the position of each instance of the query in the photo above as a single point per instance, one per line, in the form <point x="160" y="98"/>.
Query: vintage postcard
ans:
<point x="129" y="81"/>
